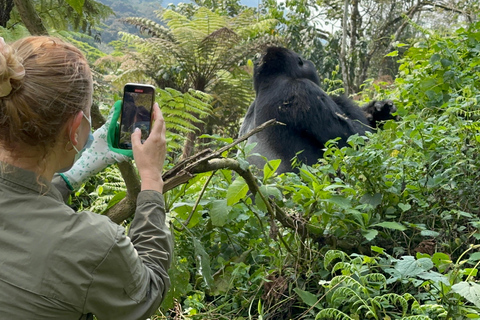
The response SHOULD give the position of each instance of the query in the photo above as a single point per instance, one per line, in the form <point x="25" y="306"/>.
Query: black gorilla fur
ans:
<point x="376" y="112"/>
<point x="287" y="89"/>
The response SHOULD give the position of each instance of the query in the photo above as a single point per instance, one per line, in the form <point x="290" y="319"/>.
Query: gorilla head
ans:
<point x="268" y="67"/>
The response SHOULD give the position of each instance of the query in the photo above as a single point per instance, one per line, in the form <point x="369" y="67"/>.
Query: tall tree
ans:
<point x="6" y="7"/>
<point x="30" y="18"/>
<point x="374" y="27"/>
<point x="40" y="15"/>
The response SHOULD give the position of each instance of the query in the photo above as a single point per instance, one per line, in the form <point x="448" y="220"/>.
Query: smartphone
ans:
<point x="136" y="112"/>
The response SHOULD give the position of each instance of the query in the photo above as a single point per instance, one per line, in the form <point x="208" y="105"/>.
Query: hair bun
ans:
<point x="10" y="68"/>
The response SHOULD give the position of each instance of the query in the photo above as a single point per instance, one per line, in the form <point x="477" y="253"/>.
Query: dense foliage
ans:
<point x="385" y="229"/>
<point x="388" y="228"/>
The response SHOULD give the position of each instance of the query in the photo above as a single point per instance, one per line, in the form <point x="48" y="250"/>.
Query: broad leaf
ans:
<point x="219" y="211"/>
<point x="269" y="168"/>
<point x="307" y="297"/>
<point x="468" y="290"/>
<point x="203" y="262"/>
<point x="391" y="225"/>
<point x="236" y="191"/>
<point x="409" y="267"/>
<point x="434" y="276"/>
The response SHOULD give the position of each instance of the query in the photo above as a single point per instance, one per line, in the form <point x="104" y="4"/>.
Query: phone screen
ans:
<point x="136" y="113"/>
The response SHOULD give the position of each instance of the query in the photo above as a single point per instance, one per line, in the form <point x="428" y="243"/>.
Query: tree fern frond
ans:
<point x="150" y="27"/>
<point x="174" y="19"/>
<point x="183" y="111"/>
<point x="208" y="21"/>
<point x="130" y="38"/>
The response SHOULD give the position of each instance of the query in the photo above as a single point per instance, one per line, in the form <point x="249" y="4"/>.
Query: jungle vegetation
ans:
<point x="387" y="228"/>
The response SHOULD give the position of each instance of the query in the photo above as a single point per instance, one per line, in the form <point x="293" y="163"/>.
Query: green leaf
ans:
<point x="434" y="276"/>
<point x="372" y="199"/>
<point x="307" y="297"/>
<point x="474" y="257"/>
<point x="178" y="273"/>
<point x="266" y="191"/>
<point x="236" y="191"/>
<point x="370" y="234"/>
<point x="269" y="168"/>
<point x="391" y="225"/>
<point x="203" y="262"/>
<point x="219" y="211"/>
<point x="377" y="249"/>
<point x="340" y="201"/>
<point x="77" y="5"/>
<point x="468" y="290"/>
<point x="409" y="267"/>
<point x="116" y="199"/>
<point x="392" y="54"/>
<point x="404" y="207"/>
<point x="429" y="233"/>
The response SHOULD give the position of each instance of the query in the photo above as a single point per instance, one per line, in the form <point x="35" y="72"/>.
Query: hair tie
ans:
<point x="13" y="68"/>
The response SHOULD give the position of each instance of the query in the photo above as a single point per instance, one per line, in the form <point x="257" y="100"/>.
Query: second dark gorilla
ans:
<point x="287" y="89"/>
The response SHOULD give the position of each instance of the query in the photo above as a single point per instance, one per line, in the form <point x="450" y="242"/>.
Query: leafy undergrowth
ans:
<point x="387" y="228"/>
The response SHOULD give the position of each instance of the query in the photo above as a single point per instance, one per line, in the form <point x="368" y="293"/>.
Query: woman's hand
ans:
<point x="150" y="156"/>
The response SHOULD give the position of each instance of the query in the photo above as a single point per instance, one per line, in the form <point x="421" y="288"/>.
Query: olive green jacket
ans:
<point x="56" y="263"/>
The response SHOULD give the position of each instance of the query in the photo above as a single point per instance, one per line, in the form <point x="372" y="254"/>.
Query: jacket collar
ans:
<point x="28" y="180"/>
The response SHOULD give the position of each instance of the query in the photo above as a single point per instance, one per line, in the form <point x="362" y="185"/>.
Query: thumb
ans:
<point x="136" y="137"/>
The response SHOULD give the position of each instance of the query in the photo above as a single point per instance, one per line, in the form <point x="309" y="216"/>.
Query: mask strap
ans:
<point x="89" y="122"/>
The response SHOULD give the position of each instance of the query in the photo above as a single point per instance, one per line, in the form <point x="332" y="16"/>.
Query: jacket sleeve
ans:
<point x="59" y="183"/>
<point x="132" y="279"/>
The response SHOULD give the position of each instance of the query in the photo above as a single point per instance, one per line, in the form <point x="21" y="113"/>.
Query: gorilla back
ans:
<point x="287" y="89"/>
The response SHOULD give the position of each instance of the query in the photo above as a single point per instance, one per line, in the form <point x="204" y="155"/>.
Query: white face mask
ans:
<point x="85" y="147"/>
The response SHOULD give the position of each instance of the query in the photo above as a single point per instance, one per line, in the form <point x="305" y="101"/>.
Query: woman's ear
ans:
<point x="73" y="127"/>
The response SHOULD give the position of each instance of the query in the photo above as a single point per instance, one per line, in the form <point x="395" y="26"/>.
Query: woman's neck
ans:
<point x="30" y="161"/>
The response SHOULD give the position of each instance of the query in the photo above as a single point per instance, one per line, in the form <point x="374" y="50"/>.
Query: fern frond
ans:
<point x="348" y="282"/>
<point x="174" y="19"/>
<point x="208" y="21"/>
<point x="393" y="299"/>
<point x="345" y="295"/>
<point x="332" y="314"/>
<point x="332" y="255"/>
<point x="150" y="27"/>
<point x="374" y="279"/>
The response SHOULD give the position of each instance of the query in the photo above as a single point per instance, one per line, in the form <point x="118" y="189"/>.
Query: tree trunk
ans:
<point x="6" y="7"/>
<point x="356" y="22"/>
<point x="343" y="51"/>
<point x="30" y="17"/>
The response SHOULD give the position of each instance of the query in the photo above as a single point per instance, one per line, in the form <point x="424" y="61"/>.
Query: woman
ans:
<point x="56" y="263"/>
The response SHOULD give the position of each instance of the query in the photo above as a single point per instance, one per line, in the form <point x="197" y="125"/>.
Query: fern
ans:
<point x="332" y="255"/>
<point x="332" y="314"/>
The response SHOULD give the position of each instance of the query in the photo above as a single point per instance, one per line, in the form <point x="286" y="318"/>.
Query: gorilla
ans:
<point x="288" y="89"/>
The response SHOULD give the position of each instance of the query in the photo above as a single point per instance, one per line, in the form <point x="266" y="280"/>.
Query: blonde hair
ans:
<point x="44" y="81"/>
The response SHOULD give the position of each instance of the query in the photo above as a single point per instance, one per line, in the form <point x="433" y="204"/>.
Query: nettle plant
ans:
<point x="384" y="287"/>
